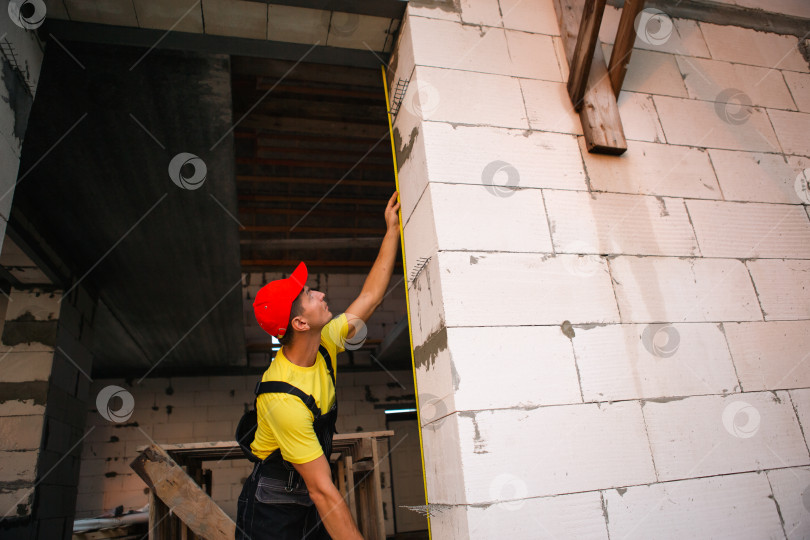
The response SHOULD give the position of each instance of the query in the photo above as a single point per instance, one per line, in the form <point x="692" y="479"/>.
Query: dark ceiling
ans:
<point x="299" y="167"/>
<point x="94" y="183"/>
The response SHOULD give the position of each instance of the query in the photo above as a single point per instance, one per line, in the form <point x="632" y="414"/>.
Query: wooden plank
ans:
<point x="599" y="114"/>
<point x="352" y="502"/>
<point x="184" y="498"/>
<point x="376" y="488"/>
<point x="623" y="45"/>
<point x="587" y="36"/>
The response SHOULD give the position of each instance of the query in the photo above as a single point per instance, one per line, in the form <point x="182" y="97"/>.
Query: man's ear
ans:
<point x="300" y="324"/>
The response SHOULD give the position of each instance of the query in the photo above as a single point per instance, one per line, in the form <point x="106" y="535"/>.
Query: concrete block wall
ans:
<point x="203" y="409"/>
<point x="44" y="383"/>
<point x="21" y="61"/>
<point x="606" y="346"/>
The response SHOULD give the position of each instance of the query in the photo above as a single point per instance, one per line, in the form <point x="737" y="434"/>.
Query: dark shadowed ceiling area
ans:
<point x="94" y="182"/>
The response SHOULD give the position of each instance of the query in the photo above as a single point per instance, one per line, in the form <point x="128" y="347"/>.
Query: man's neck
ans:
<point x="303" y="350"/>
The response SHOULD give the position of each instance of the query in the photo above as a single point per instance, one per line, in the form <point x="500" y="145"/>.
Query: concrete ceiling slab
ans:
<point x="235" y="18"/>
<point x="114" y="12"/>
<point x="355" y="31"/>
<point x="175" y="15"/>
<point x="297" y="25"/>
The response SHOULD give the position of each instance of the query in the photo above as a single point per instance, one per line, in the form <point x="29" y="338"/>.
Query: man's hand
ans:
<point x="331" y="506"/>
<point x="391" y="216"/>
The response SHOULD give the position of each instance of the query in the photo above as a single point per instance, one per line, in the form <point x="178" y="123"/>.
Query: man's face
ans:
<point x="315" y="309"/>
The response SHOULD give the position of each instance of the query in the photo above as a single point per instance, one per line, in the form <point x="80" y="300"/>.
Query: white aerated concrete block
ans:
<point x="112" y="13"/>
<point x="658" y="289"/>
<point x="483" y="12"/>
<point x="791" y="130"/>
<point x="746" y="46"/>
<point x="465" y="97"/>
<point x="790" y="494"/>
<point x="657" y="33"/>
<point x="713" y="80"/>
<point x="549" y="107"/>
<point x="490" y="217"/>
<point x="709" y="435"/>
<point x="426" y="304"/>
<point x="639" y="118"/>
<point x="758" y="177"/>
<point x="419" y="235"/>
<point x="444" y="469"/>
<point x="451" y="45"/>
<point x="545" y="518"/>
<point x="770" y="355"/>
<point x="801" y="405"/>
<point x="651" y="72"/>
<point x="582" y="448"/>
<point x="750" y="230"/>
<point x="469" y="155"/>
<point x="783" y="287"/>
<point x="731" y="506"/>
<point x="536" y="16"/>
<point x="653" y="169"/>
<point x="25" y="366"/>
<point x="631" y="361"/>
<point x="541" y="354"/>
<point x="617" y="223"/>
<point x="409" y="143"/>
<point x="532" y="56"/>
<point x="799" y="85"/>
<point x="520" y="289"/>
<point x="716" y="125"/>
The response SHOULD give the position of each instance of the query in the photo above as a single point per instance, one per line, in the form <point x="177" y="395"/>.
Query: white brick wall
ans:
<point x="632" y="338"/>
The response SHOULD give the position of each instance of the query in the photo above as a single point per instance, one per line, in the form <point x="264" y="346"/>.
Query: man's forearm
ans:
<point x="336" y="516"/>
<point x="380" y="274"/>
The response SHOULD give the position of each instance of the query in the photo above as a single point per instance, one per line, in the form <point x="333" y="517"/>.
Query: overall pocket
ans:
<point x="273" y="491"/>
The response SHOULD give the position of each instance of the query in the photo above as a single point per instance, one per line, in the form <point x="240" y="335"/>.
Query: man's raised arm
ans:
<point x="373" y="290"/>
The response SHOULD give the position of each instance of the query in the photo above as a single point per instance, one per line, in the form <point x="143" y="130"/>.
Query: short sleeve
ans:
<point x="291" y="423"/>
<point x="336" y="331"/>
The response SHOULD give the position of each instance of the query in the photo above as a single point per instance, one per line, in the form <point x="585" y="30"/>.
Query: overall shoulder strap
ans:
<point x="280" y="387"/>
<point x="328" y="359"/>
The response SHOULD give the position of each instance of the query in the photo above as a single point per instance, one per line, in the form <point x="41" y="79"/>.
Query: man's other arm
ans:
<point x="373" y="290"/>
<point x="332" y="508"/>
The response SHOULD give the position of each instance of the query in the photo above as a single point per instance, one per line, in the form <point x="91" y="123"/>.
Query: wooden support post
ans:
<point x="376" y="488"/>
<point x="184" y="498"/>
<point x="350" y="481"/>
<point x="623" y="45"/>
<point x="583" y="51"/>
<point x="600" y="113"/>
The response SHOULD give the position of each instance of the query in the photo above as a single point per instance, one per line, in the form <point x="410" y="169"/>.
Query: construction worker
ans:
<point x="290" y="494"/>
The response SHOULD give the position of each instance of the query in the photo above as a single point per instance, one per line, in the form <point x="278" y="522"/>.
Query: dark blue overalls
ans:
<point x="274" y="503"/>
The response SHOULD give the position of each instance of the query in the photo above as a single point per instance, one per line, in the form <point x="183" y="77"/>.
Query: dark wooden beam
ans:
<point x="311" y="264"/>
<point x="599" y="114"/>
<point x="314" y="243"/>
<point x="587" y="37"/>
<point x="623" y="45"/>
<point x="303" y="199"/>
<point x="307" y="180"/>
<point x="315" y="230"/>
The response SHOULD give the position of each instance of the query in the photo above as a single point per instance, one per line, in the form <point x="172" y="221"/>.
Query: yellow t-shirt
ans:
<point x="283" y="419"/>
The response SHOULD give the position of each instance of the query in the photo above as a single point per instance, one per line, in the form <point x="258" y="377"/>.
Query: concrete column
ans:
<point x="44" y="383"/>
<point x="594" y="345"/>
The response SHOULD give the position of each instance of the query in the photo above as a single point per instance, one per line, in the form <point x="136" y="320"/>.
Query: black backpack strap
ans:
<point x="280" y="387"/>
<point x="328" y="359"/>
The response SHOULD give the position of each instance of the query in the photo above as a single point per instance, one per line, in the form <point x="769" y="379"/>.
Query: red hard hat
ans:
<point x="274" y="301"/>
